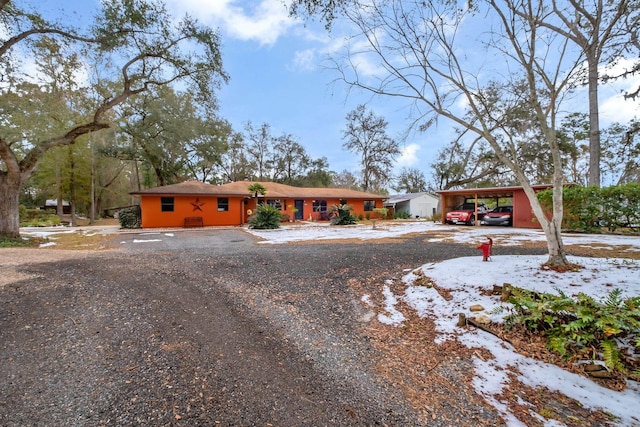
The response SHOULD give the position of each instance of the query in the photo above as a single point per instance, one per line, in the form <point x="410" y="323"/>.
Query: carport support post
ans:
<point x="475" y="212"/>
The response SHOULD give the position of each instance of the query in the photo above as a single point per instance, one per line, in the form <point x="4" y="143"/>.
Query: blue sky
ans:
<point x="278" y="76"/>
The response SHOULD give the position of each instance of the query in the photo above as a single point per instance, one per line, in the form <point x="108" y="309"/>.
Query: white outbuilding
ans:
<point x="417" y="205"/>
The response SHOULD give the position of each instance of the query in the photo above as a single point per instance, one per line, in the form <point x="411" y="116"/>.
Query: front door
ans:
<point x="299" y="205"/>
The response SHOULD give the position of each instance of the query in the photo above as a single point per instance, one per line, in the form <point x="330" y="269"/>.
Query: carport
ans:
<point x="522" y="213"/>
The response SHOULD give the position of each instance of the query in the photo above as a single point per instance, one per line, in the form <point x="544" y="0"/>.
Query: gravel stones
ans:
<point x="203" y="328"/>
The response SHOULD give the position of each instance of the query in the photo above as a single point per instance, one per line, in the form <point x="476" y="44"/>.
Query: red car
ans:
<point x="502" y="215"/>
<point x="464" y="214"/>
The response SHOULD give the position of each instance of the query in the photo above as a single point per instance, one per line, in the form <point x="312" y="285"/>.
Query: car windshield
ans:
<point x="469" y="207"/>
<point x="503" y="209"/>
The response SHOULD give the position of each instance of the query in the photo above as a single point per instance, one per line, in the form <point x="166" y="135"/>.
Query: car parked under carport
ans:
<point x="522" y="215"/>
<point x="502" y="215"/>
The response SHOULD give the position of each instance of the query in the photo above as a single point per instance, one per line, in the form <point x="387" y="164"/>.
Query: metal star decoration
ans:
<point x="197" y="205"/>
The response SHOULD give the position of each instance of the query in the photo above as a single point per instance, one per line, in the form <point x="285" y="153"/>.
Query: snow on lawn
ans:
<point x="324" y="231"/>
<point x="461" y="277"/>
<point x="51" y="233"/>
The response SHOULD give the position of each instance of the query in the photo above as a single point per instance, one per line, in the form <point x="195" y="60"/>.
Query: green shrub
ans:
<point x="381" y="212"/>
<point x="343" y="216"/>
<point x="402" y="215"/>
<point x="37" y="217"/>
<point x="266" y="217"/>
<point x="589" y="209"/>
<point x="130" y="217"/>
<point x="22" y="242"/>
<point x="582" y="327"/>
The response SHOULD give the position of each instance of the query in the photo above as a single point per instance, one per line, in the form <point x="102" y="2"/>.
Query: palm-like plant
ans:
<point x="255" y="189"/>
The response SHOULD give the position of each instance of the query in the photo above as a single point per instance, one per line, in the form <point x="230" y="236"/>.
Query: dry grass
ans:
<point x="81" y="241"/>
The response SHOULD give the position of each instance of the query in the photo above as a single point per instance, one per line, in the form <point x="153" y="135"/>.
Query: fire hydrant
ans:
<point x="486" y="249"/>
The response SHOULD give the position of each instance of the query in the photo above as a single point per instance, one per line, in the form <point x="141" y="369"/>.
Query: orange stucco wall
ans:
<point x="188" y="206"/>
<point x="357" y="205"/>
<point x="239" y="210"/>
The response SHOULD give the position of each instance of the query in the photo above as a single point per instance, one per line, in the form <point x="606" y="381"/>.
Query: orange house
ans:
<point x="178" y="205"/>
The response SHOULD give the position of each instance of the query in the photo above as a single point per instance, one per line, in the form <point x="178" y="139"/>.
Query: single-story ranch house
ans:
<point x="231" y="204"/>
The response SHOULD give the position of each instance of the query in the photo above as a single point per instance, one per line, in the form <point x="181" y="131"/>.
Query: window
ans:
<point x="319" y="205"/>
<point x="276" y="203"/>
<point x="223" y="204"/>
<point x="369" y="205"/>
<point x="166" y="204"/>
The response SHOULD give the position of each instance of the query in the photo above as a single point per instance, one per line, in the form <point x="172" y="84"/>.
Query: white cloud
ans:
<point x="264" y="22"/>
<point x="408" y="156"/>
<point x="304" y="60"/>
<point x="613" y="106"/>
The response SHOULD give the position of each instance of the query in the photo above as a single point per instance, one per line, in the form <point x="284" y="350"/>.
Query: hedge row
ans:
<point x="591" y="209"/>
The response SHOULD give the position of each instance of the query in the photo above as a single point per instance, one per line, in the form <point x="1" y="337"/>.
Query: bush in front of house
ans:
<point x="381" y="213"/>
<point x="265" y="218"/>
<point x="343" y="216"/>
<point x="130" y="217"/>
<point x="401" y="215"/>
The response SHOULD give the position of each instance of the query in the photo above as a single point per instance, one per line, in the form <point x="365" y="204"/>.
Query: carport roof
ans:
<point x="490" y="191"/>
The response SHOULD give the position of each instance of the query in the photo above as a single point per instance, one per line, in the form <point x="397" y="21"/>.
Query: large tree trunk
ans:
<point x="557" y="255"/>
<point x="594" y="125"/>
<point x="551" y="228"/>
<point x="9" y="206"/>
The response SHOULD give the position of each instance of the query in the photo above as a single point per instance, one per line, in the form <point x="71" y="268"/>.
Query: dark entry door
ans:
<point x="299" y="205"/>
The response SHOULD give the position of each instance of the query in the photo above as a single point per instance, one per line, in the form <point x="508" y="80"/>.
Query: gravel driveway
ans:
<point x="208" y="327"/>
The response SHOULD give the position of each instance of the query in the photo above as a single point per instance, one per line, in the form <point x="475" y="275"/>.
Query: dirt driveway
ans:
<point x="210" y="328"/>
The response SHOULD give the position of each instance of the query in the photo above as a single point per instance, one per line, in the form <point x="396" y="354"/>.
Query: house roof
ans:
<point x="241" y="188"/>
<point x="399" y="198"/>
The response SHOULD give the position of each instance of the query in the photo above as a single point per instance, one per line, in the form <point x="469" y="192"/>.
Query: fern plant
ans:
<point x="582" y="327"/>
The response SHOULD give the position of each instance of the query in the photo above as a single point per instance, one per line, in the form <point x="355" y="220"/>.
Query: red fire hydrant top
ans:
<point x="486" y="249"/>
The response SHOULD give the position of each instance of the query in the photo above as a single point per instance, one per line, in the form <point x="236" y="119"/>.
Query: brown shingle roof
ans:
<point x="241" y="188"/>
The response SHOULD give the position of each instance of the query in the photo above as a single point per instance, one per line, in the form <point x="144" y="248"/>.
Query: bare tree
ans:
<point x="234" y="164"/>
<point x="259" y="149"/>
<point x="604" y="31"/>
<point x="345" y="179"/>
<point x="366" y="135"/>
<point x="422" y="52"/>
<point x="290" y="160"/>
<point x="459" y="164"/>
